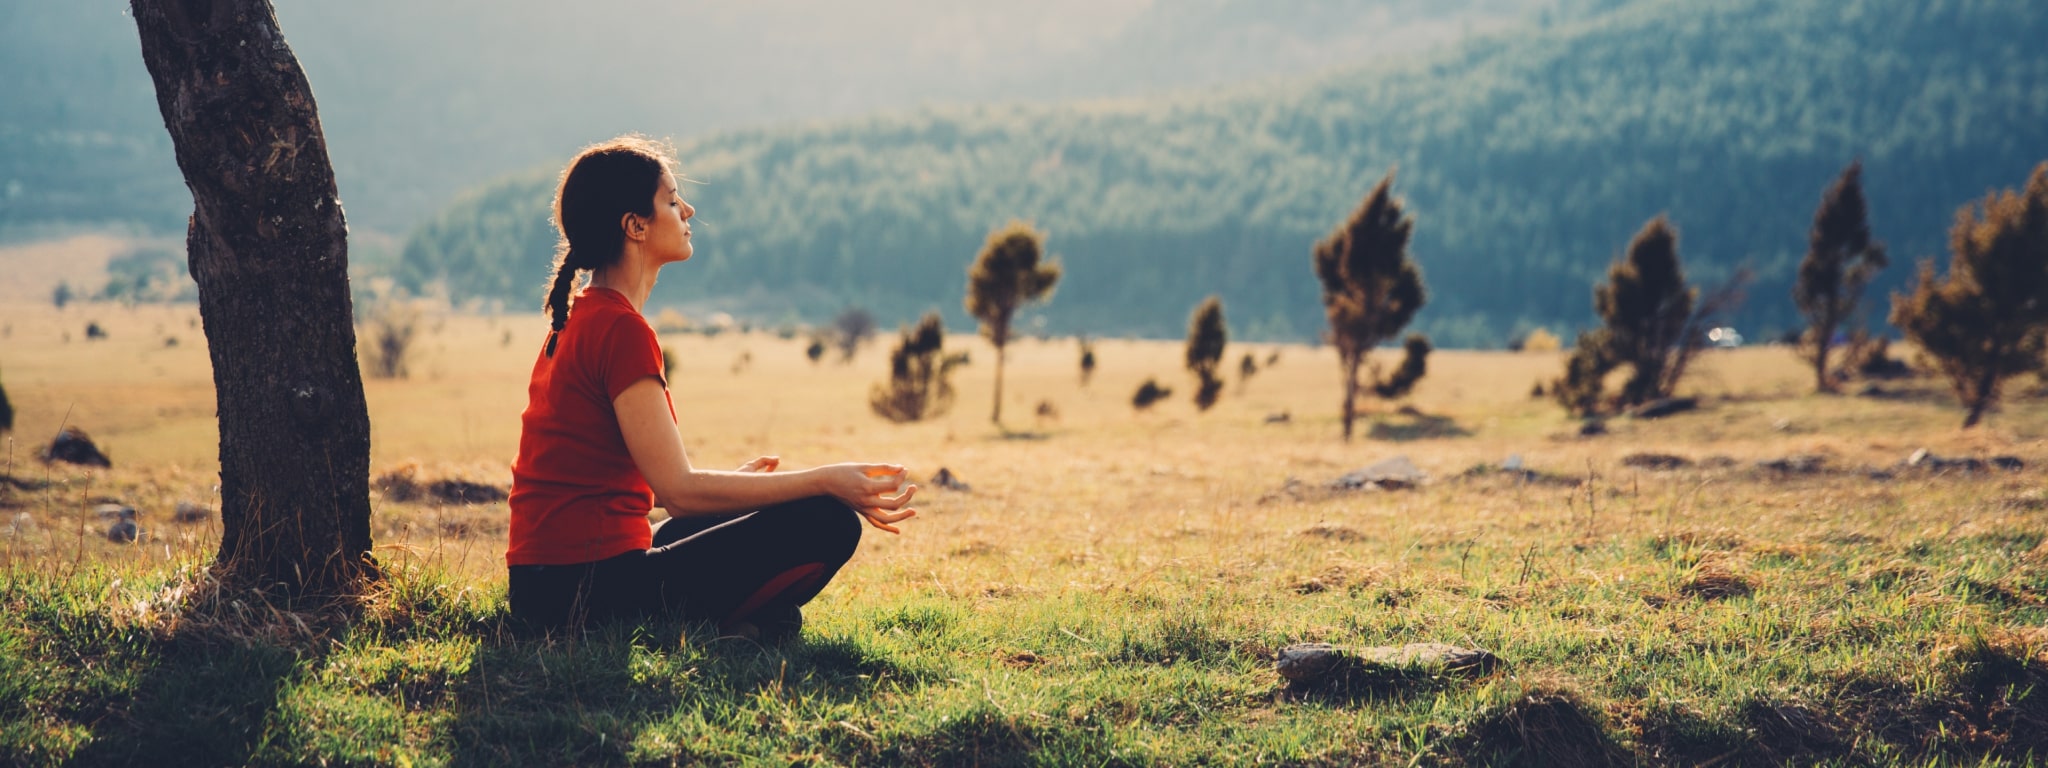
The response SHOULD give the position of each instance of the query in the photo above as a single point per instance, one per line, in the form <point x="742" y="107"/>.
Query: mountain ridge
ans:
<point x="1527" y="160"/>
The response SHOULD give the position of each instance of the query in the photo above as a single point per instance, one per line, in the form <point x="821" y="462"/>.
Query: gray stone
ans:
<point x="191" y="512"/>
<point x="1308" y="663"/>
<point x="1394" y="473"/>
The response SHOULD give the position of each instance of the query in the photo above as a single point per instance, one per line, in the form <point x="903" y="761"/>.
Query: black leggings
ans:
<point x="723" y="568"/>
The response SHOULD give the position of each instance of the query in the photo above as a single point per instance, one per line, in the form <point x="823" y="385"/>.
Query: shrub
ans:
<point x="391" y="325"/>
<point x="1087" y="361"/>
<point x="918" y="386"/>
<point x="1986" y="321"/>
<point x="1149" y="393"/>
<point x="1540" y="340"/>
<point x="852" y="327"/>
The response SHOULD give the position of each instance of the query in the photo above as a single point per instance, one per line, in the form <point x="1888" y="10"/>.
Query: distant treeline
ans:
<point x="1527" y="163"/>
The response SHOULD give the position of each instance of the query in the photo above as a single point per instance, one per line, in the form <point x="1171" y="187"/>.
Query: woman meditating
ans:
<point x="598" y="446"/>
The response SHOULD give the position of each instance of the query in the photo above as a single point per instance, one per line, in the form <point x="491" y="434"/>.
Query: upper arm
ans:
<point x="650" y="432"/>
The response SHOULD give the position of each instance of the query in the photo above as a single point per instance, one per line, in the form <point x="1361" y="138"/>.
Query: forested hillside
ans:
<point x="421" y="100"/>
<point x="1527" y="161"/>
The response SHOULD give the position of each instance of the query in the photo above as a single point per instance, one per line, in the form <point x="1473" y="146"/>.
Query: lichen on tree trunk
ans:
<point x="268" y="246"/>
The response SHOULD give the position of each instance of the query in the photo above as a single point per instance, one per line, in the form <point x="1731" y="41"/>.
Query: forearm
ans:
<point x="709" y="492"/>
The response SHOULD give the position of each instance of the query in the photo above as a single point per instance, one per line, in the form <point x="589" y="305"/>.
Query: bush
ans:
<point x="1985" y="321"/>
<point x="852" y="327"/>
<point x="1149" y="393"/>
<point x="391" y="326"/>
<point x="1539" y="340"/>
<point x="918" y="386"/>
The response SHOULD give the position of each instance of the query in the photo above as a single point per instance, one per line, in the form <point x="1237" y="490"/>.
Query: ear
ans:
<point x="634" y="225"/>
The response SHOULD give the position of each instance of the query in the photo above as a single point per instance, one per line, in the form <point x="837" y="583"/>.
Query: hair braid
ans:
<point x="560" y="285"/>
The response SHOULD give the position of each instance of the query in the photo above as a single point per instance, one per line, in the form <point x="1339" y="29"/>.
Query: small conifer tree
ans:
<point x="1009" y="273"/>
<point x="1987" y="319"/>
<point x="1207" y="336"/>
<point x="816" y="350"/>
<point x="1247" y="367"/>
<point x="918" y="386"/>
<point x="1654" y="323"/>
<point x="1371" y="289"/>
<point x="1841" y="258"/>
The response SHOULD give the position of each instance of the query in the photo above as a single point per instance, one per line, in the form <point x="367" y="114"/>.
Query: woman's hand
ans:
<point x="763" y="464"/>
<point x="866" y="488"/>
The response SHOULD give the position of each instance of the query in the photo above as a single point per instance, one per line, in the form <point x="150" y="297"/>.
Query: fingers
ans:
<point x="762" y="464"/>
<point x="897" y="501"/>
<point x="890" y="517"/>
<point x="882" y="520"/>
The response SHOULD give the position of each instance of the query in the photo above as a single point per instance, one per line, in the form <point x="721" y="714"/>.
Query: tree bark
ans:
<point x="1823" y="339"/>
<point x="997" y="416"/>
<point x="1982" y="400"/>
<point x="1351" y="363"/>
<point x="268" y="246"/>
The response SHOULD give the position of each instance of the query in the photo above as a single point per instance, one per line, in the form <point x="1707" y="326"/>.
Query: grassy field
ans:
<point x="1110" y="592"/>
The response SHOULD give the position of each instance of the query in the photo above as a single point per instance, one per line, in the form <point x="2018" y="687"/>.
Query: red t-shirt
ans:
<point x="576" y="495"/>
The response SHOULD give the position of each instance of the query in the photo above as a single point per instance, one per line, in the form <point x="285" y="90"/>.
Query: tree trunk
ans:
<point x="1820" y="368"/>
<point x="1351" y="363"/>
<point x="268" y="246"/>
<point x="1981" y="400"/>
<point x="1823" y="338"/>
<point x="997" y="416"/>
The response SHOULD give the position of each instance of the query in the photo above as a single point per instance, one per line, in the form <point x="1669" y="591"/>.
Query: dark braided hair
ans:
<point x="603" y="183"/>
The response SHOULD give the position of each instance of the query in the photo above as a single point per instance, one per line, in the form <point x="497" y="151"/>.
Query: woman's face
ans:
<point x="668" y="236"/>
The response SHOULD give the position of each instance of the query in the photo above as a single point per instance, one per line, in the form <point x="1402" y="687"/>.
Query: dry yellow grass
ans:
<point x="1100" y="481"/>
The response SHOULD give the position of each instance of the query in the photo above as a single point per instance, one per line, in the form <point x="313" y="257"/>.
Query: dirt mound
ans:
<point x="73" y="446"/>
<point x="405" y="484"/>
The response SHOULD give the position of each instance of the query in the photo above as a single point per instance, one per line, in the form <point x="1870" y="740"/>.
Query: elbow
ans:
<point x="683" y="498"/>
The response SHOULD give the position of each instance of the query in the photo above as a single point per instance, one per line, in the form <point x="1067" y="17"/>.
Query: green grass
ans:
<point x="1914" y="649"/>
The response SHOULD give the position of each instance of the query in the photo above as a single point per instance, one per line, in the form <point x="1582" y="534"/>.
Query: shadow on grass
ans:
<point x="423" y="676"/>
<point x="585" y="699"/>
<point x="1409" y="425"/>
<point x="191" y="698"/>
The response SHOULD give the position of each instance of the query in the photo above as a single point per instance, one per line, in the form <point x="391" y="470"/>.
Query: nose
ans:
<point x="689" y="211"/>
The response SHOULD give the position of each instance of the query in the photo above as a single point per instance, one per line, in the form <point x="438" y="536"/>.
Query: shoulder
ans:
<point x="605" y="314"/>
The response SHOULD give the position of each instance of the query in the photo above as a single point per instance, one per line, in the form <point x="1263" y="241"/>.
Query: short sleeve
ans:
<point x="631" y="353"/>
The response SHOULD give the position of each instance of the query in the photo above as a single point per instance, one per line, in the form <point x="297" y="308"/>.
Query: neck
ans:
<point x="632" y="276"/>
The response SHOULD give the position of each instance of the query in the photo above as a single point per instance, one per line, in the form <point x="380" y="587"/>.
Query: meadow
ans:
<point x="1110" y="591"/>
